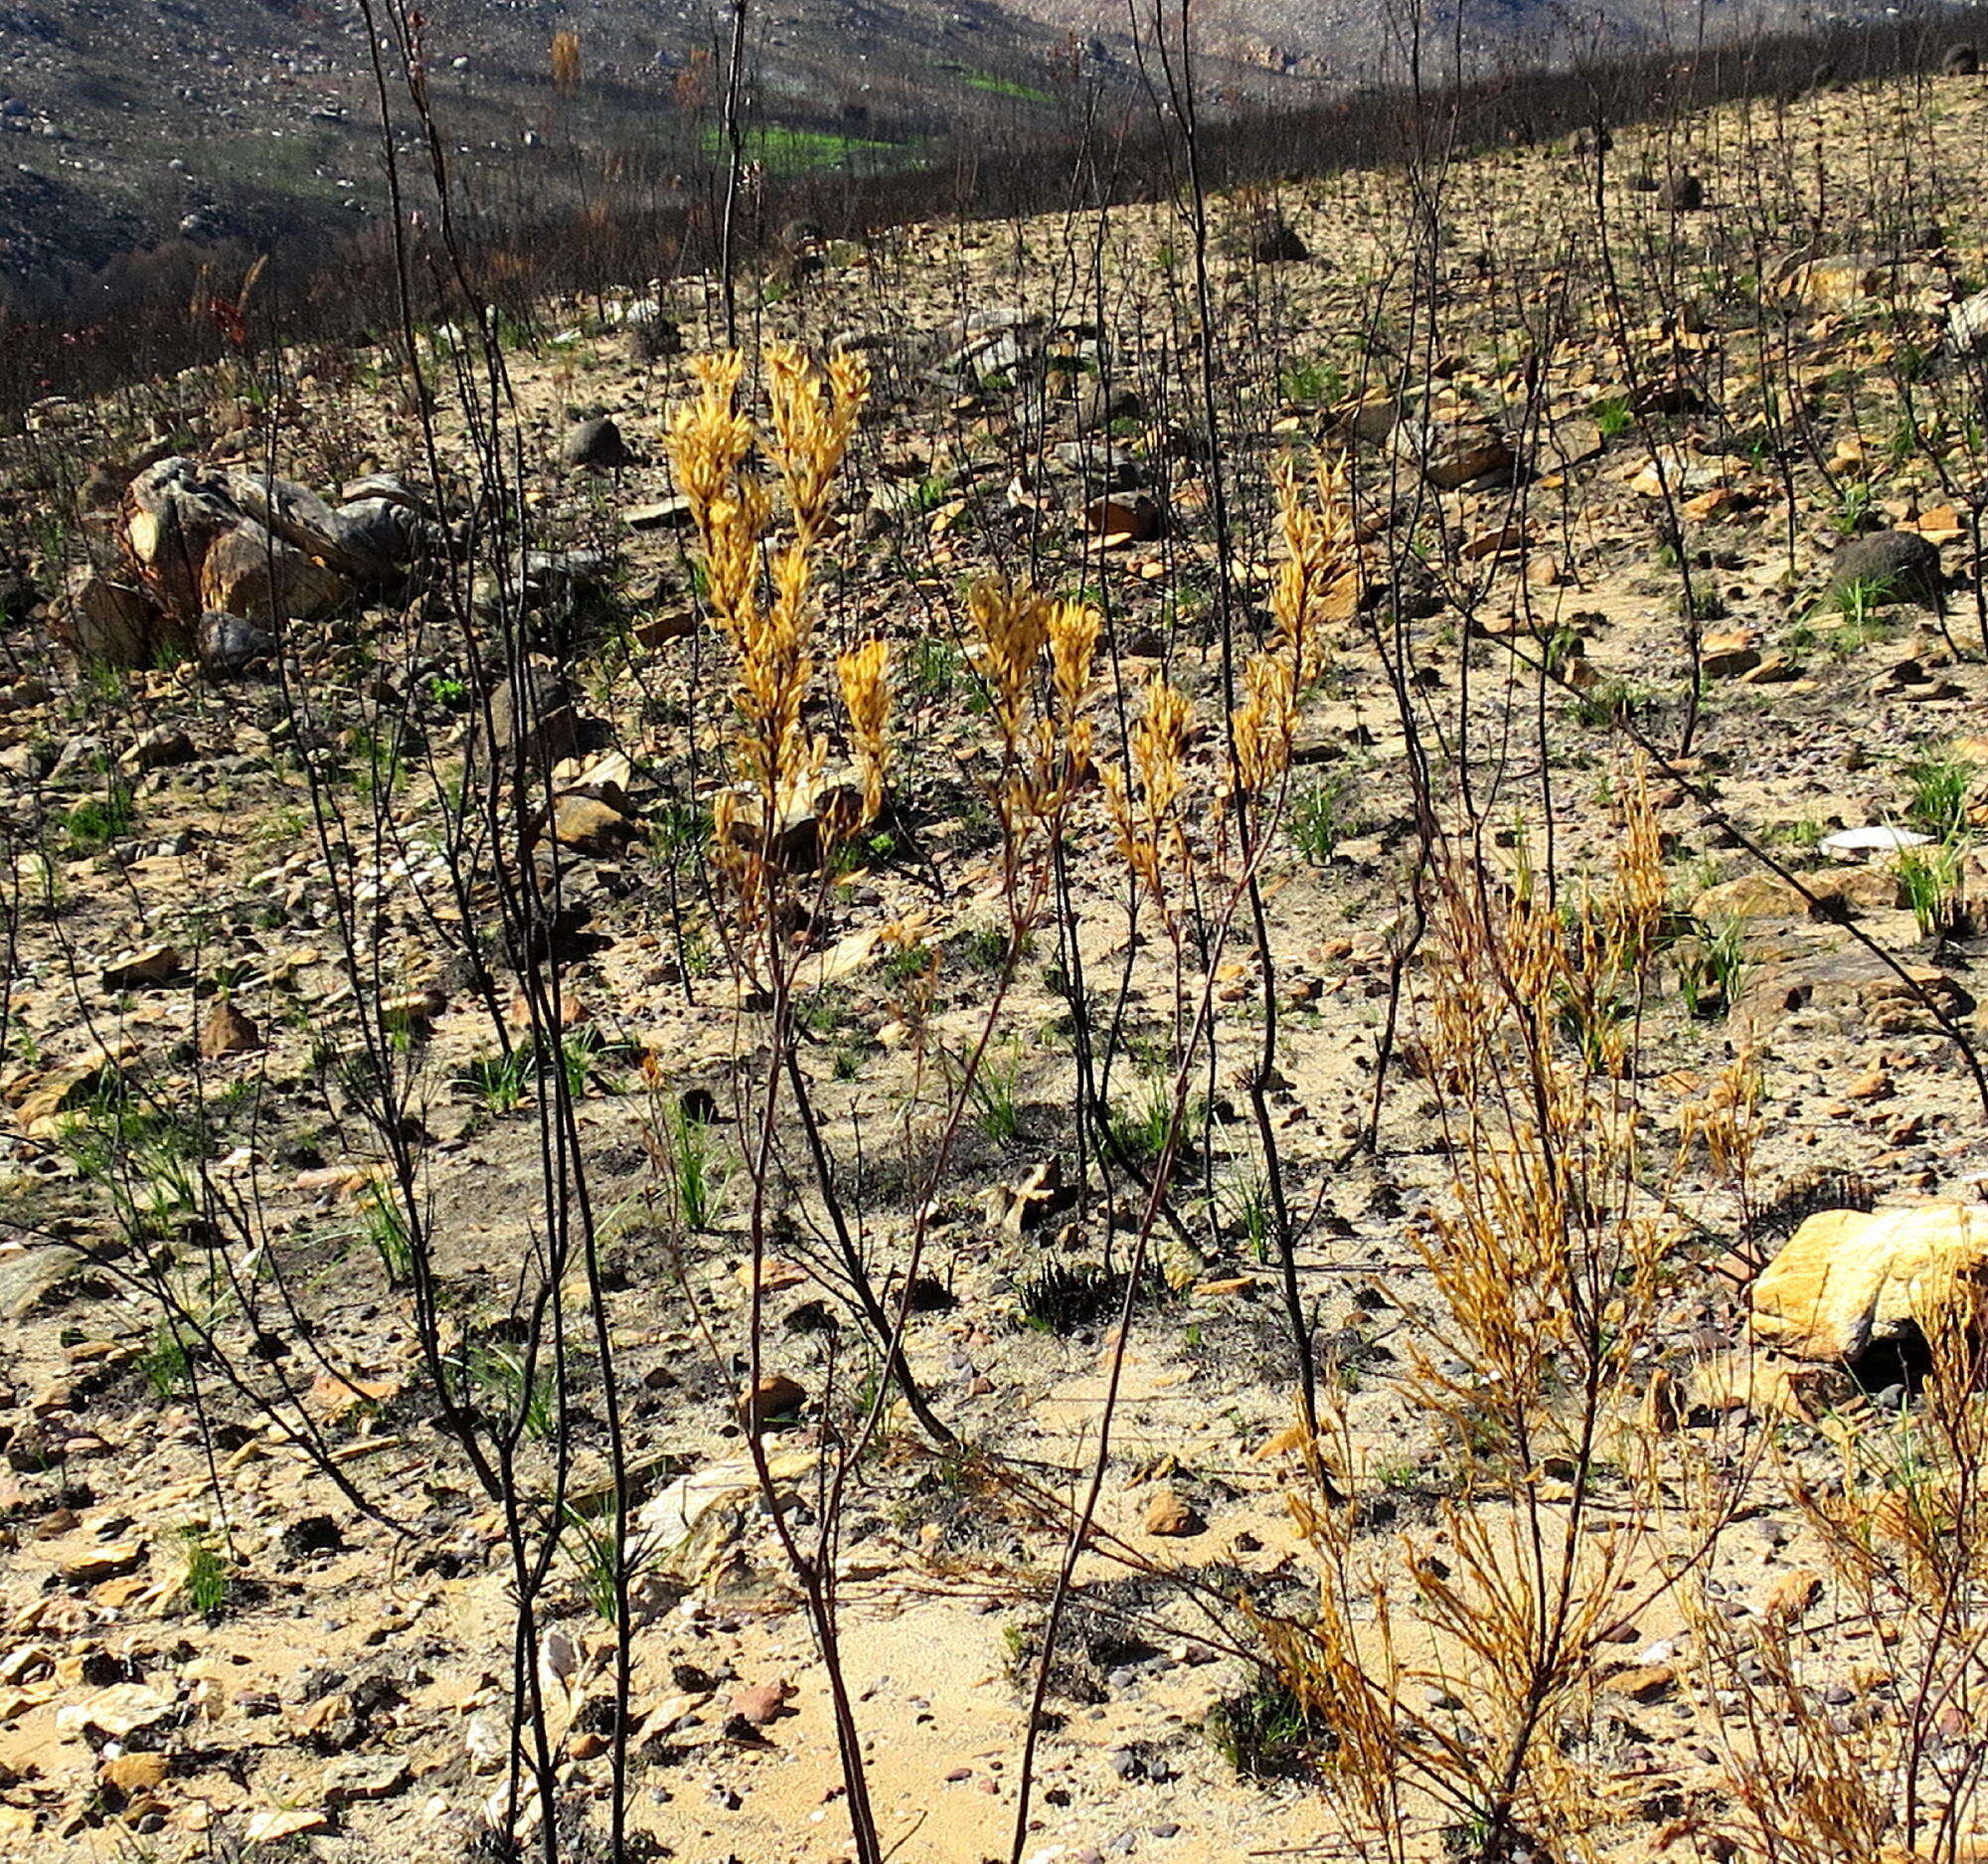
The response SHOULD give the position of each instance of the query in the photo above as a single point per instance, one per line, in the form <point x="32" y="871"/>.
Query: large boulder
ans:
<point x="1470" y="453"/>
<point x="597" y="445"/>
<point x="384" y="530"/>
<point x="228" y="644"/>
<point x="1848" y="1280"/>
<point x="174" y="511"/>
<point x="258" y="575"/>
<point x="1858" y="988"/>
<point x="1890" y="566"/>
<point x="302" y="519"/>
<point x="100" y="618"/>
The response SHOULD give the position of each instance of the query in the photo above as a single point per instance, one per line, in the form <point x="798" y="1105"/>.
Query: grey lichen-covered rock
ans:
<point x="1889" y="567"/>
<point x="595" y="443"/>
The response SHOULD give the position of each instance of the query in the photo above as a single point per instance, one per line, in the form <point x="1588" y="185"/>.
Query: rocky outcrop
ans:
<point x="1848" y="1280"/>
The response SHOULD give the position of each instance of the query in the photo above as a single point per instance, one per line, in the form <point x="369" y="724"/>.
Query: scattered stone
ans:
<point x="762" y="1703"/>
<point x="25" y="1278"/>
<point x="1847" y="1280"/>
<point x="1855" y="982"/>
<point x="535" y="720"/>
<point x="1726" y="655"/>
<point x="592" y="827"/>
<point x="130" y="1774"/>
<point x="247" y="572"/>
<point x="1793" y="1593"/>
<point x="107" y="1562"/>
<point x="1169" y="1514"/>
<point x="1643" y="1682"/>
<point x="671" y="513"/>
<point x="364" y="1776"/>
<point x="775" y="1399"/>
<point x="228" y="1031"/>
<point x="1684" y="193"/>
<point x="1121" y="518"/>
<point x="99" y="618"/>
<point x="595" y="444"/>
<point x="1889" y="567"/>
<point x="301" y="518"/>
<point x="1275" y="241"/>
<point x="229" y="644"/>
<point x="142" y="968"/>
<point x="272" y="1827"/>
<point x="159" y="750"/>
<point x="1751" y="896"/>
<point x="1452" y="458"/>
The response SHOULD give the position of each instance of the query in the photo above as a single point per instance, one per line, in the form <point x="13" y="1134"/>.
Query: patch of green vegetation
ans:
<point x="1941" y="785"/>
<point x="1612" y="414"/>
<point x="1318" y="382"/>
<point x="1266" y="1732"/>
<point x="781" y="149"/>
<point x="1930" y="877"/>
<point x="1000" y="87"/>
<point x="206" y="1582"/>
<point x="1321" y="817"/>
<point x="144" y="1156"/>
<point x="98" y="822"/>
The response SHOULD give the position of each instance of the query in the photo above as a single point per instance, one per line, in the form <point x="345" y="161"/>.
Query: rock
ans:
<point x="1843" y="278"/>
<point x="174" y="512"/>
<point x="1751" y="896"/>
<point x="534" y="720"/>
<point x="1684" y="193"/>
<point x="1454" y="456"/>
<point x="1168" y="1514"/>
<point x="1793" y="1593"/>
<point x="657" y="630"/>
<point x="226" y="1031"/>
<point x="1729" y="654"/>
<point x="1098" y="407"/>
<point x="1855" y="982"/>
<point x="230" y="643"/>
<point x="107" y="1562"/>
<point x="1890" y="566"/>
<point x="1643" y="1682"/>
<point x="595" y="444"/>
<point x="119" y="1711"/>
<point x="100" y="619"/>
<point x="775" y="1397"/>
<point x="25" y="1278"/>
<point x="412" y="1009"/>
<point x="1861" y="889"/>
<point x="142" y="968"/>
<point x="653" y="338"/>
<point x="592" y="827"/>
<point x="272" y="1827"/>
<point x="1848" y="1279"/>
<point x="159" y="750"/>
<point x="251" y="573"/>
<point x="1125" y="519"/>
<point x="388" y="530"/>
<point x="762" y="1703"/>
<point x="1275" y="241"/>
<point x="132" y="1773"/>
<point x="1960" y="60"/>
<point x="300" y="518"/>
<point x="364" y="1776"/>
<point x="1967" y="322"/>
<point x="672" y="513"/>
